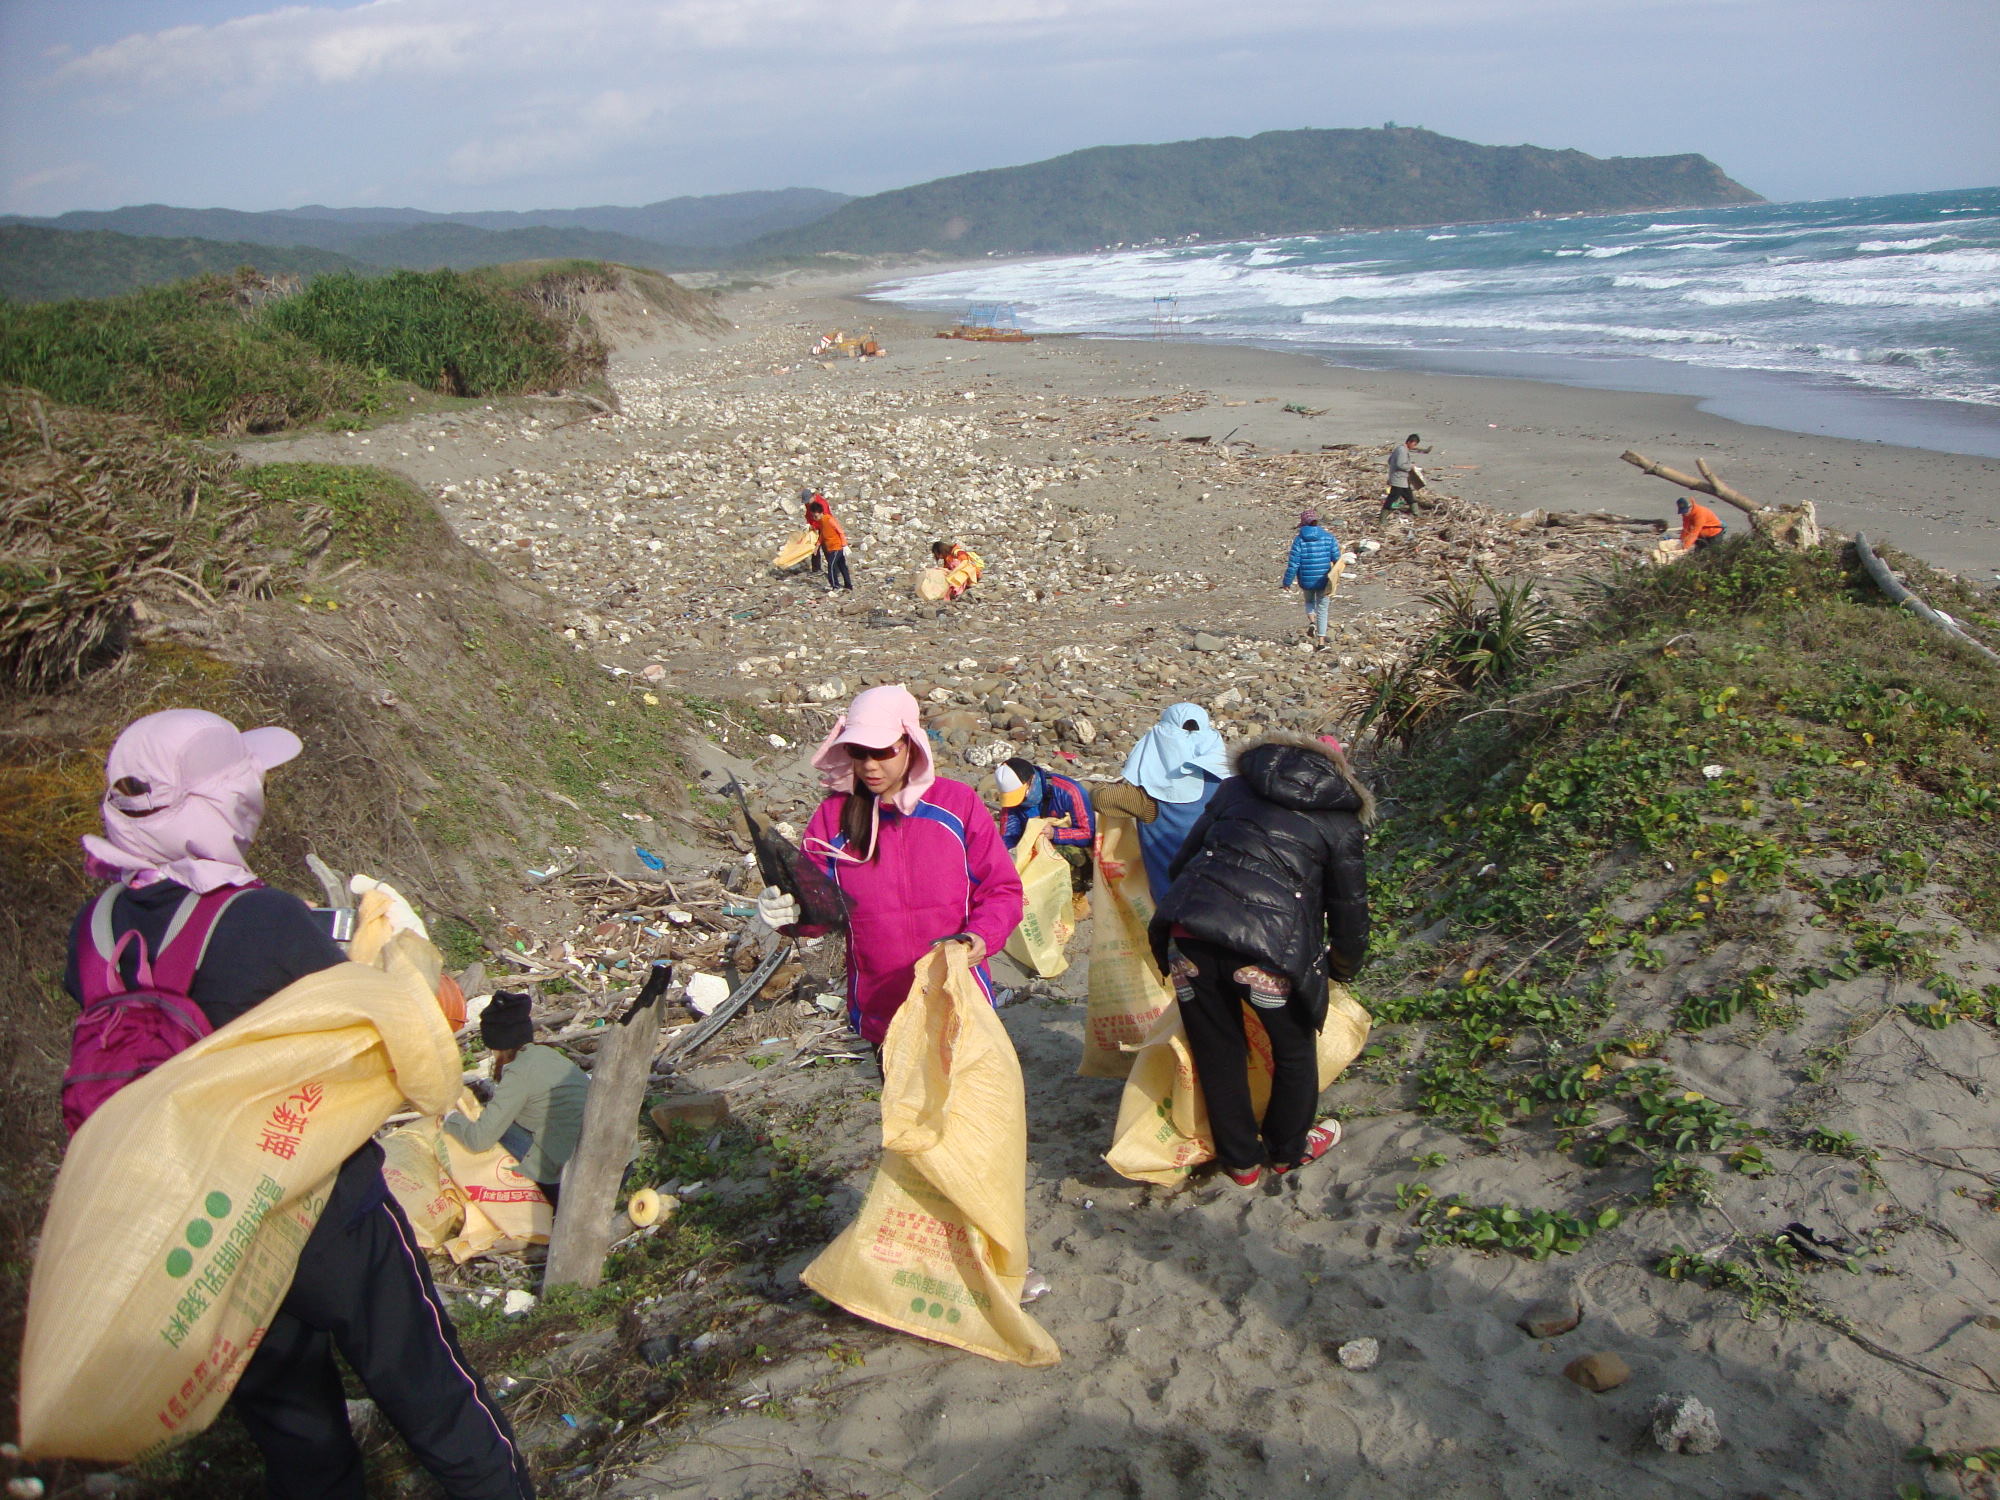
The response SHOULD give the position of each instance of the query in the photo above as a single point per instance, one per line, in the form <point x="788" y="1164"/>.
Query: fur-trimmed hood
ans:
<point x="1299" y="771"/>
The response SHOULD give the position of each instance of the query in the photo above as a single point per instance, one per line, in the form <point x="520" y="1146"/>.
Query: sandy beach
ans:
<point x="1199" y="1326"/>
<point x="1519" y="444"/>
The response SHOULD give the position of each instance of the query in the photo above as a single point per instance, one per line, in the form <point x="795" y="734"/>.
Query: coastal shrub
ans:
<point x="441" y="330"/>
<point x="191" y="357"/>
<point x="242" y="354"/>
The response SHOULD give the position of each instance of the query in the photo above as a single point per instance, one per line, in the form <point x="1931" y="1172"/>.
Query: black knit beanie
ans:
<point x="508" y="1022"/>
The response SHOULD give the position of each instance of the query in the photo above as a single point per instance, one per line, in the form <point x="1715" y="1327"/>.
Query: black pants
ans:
<point x="1712" y="540"/>
<point x="1402" y="493"/>
<point x="837" y="576"/>
<point x="363" y="1287"/>
<point x="1213" y="1016"/>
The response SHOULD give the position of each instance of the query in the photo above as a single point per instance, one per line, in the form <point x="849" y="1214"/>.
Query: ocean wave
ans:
<point x="1869" y="292"/>
<point x="1501" y="324"/>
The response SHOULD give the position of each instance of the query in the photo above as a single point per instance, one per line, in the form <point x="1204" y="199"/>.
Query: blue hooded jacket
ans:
<point x="1314" y="552"/>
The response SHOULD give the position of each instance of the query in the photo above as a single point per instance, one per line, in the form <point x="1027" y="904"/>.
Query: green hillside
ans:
<point x="461" y="247"/>
<point x="1281" y="182"/>
<point x="49" y="265"/>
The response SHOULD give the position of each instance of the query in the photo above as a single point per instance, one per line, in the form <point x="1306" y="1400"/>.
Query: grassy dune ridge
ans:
<point x="242" y="354"/>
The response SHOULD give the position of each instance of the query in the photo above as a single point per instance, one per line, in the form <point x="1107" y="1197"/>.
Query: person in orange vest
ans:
<point x="1700" y="526"/>
<point x="832" y="541"/>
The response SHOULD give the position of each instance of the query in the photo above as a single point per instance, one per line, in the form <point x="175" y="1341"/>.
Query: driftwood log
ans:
<point x="1595" y="520"/>
<point x="1897" y="590"/>
<point x="583" y="1228"/>
<point x="1787" y="525"/>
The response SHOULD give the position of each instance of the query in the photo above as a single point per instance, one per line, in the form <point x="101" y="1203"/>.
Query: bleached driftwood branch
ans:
<point x="1895" y="588"/>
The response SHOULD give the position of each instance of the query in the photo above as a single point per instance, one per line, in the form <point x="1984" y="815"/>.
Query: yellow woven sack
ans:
<point x="178" y="1216"/>
<point x="1127" y="991"/>
<point x="1037" y="944"/>
<point x="796" y="551"/>
<point x="940" y="1247"/>
<point x="1162" y="1131"/>
<point x="414" y="1171"/>
<point x="504" y="1210"/>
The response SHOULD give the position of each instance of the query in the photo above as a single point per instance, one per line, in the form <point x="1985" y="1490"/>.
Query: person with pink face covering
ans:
<point x="184" y="794"/>
<point x="916" y="856"/>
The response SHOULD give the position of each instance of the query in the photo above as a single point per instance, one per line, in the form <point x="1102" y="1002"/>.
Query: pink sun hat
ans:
<point x="184" y="793"/>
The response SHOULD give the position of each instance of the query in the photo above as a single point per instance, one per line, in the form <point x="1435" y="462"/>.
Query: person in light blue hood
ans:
<point x="1168" y="779"/>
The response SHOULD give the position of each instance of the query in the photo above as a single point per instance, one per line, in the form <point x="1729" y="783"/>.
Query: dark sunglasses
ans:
<point x="870" y="752"/>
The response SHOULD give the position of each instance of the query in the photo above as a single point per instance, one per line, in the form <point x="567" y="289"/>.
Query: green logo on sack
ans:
<point x="199" y="1233"/>
<point x="924" y="1309"/>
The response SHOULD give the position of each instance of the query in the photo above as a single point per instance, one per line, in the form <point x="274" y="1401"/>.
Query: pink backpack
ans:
<point x="122" y="1033"/>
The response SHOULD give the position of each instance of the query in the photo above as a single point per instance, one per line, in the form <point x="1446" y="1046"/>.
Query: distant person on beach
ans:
<point x="1269" y="902"/>
<point x="1700" y="526"/>
<point x="809" y="498"/>
<point x="1314" y="552"/>
<point x="1031" y="791"/>
<point x="916" y="857"/>
<point x="1405" y="478"/>
<point x="1164" y="787"/>
<point x="832" y="542"/>
<point x="961" y="565"/>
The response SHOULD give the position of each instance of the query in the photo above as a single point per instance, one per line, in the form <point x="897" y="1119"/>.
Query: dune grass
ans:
<point x="238" y="354"/>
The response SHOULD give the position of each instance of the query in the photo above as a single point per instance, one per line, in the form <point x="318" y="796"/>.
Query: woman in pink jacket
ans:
<point x="916" y="857"/>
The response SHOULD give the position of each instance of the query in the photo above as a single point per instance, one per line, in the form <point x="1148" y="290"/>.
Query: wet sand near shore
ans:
<point x="1517" y="445"/>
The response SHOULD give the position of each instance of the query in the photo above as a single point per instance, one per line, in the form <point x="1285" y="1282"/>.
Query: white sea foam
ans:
<point x="1818" y="290"/>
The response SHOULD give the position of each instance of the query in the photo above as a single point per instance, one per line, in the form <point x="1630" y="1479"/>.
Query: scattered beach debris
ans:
<point x="1680" y="1423"/>
<point x="1549" y="1317"/>
<point x="1598" y="1372"/>
<point x="1359" y="1354"/>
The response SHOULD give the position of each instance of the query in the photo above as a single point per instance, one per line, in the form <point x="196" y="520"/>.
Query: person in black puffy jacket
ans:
<point x="1269" y="901"/>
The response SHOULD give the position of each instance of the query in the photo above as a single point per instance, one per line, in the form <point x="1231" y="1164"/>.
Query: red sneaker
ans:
<point x="1321" y="1139"/>
<point x="1247" y="1177"/>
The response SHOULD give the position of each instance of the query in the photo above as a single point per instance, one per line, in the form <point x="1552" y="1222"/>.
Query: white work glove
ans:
<point x="776" y="909"/>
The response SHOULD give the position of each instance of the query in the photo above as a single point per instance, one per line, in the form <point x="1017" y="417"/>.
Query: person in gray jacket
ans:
<point x="1405" y="478"/>
<point x="536" y="1112"/>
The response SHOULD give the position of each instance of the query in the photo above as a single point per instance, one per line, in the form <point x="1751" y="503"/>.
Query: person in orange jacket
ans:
<point x="832" y="541"/>
<point x="1700" y="526"/>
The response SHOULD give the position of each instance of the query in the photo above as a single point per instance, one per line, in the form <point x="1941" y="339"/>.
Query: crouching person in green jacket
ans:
<point x="537" y="1109"/>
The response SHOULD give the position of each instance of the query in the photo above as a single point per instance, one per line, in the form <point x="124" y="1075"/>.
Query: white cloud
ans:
<point x="68" y="174"/>
<point x="549" y="137"/>
<point x="248" y="59"/>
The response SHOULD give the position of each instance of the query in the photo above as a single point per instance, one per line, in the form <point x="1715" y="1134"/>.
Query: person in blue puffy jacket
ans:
<point x="1314" y="552"/>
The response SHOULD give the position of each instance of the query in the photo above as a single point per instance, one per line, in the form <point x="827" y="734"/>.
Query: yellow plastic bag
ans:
<point x="504" y="1210"/>
<point x="1037" y="944"/>
<point x="414" y="1172"/>
<point x="796" y="551"/>
<point x="178" y="1216"/>
<point x="1127" y="990"/>
<point x="940" y="1247"/>
<point x="1162" y="1131"/>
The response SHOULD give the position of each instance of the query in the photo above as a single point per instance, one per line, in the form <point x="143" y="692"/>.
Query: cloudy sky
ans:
<point x="468" y="104"/>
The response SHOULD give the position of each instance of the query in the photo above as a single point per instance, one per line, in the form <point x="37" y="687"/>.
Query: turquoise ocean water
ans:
<point x="1871" y="318"/>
